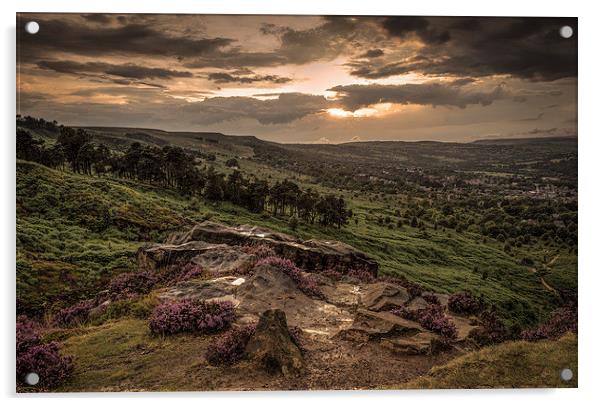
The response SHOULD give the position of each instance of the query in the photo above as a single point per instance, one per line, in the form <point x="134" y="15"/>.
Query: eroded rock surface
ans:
<point x="312" y="255"/>
<point x="271" y="346"/>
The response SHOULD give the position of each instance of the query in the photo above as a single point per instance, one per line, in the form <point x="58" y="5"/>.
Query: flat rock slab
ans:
<point x="213" y="289"/>
<point x="313" y="255"/>
<point x="383" y="296"/>
<point x="418" y="344"/>
<point x="368" y="325"/>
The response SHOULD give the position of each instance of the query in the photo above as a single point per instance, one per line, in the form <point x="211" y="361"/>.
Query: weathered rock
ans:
<point x="341" y="294"/>
<point x="419" y="344"/>
<point x="383" y="296"/>
<point x="417" y="303"/>
<point x="313" y="255"/>
<point x="271" y="346"/>
<point x="214" y="289"/>
<point x="369" y="325"/>
<point x="217" y="258"/>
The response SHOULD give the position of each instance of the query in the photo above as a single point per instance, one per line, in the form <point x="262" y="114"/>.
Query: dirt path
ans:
<point x="545" y="284"/>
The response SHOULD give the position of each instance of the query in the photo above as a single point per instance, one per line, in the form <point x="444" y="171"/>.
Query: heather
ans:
<point x="306" y="284"/>
<point x="260" y="251"/>
<point x="491" y="331"/>
<point x="77" y="314"/>
<point x="131" y="284"/>
<point x="230" y="347"/>
<point x="432" y="318"/>
<point x="430" y="298"/>
<point x="191" y="316"/>
<point x="563" y="320"/>
<point x="35" y="356"/>
<point x="464" y="303"/>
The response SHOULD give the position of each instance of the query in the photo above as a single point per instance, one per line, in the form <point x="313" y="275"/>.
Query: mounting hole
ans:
<point x="566" y="374"/>
<point x="32" y="27"/>
<point x="32" y="378"/>
<point x="566" y="31"/>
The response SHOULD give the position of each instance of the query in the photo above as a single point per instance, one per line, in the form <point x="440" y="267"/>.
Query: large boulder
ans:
<point x="271" y="347"/>
<point x="217" y="258"/>
<point x="313" y="255"/>
<point x="383" y="296"/>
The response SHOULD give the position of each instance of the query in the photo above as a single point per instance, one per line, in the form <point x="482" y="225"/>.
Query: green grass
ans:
<point x="515" y="364"/>
<point x="75" y="231"/>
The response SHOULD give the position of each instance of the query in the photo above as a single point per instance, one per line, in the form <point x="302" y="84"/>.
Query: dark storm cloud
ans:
<point x="528" y="48"/>
<point x="57" y="35"/>
<point x="372" y="53"/>
<point x="124" y="70"/>
<point x="324" y="42"/>
<point x="434" y="94"/>
<point x="402" y="27"/>
<point x="223" y="77"/>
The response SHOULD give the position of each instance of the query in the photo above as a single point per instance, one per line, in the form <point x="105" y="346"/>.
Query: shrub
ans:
<point x="561" y="321"/>
<point x="130" y="284"/>
<point x="464" y="303"/>
<point x="333" y="274"/>
<point x="306" y="284"/>
<point x="432" y="318"/>
<point x="42" y="358"/>
<point x="46" y="361"/>
<point x="492" y="329"/>
<point x="432" y="299"/>
<point x="260" y="251"/>
<point x="26" y="333"/>
<point x="79" y="313"/>
<point x="191" y="316"/>
<point x="361" y="275"/>
<point x="181" y="274"/>
<point x="230" y="347"/>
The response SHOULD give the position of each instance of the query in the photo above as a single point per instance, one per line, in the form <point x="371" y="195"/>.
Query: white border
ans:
<point x="589" y="189"/>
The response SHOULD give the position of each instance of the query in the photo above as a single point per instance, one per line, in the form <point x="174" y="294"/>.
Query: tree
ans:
<point x="232" y="163"/>
<point x="28" y="148"/>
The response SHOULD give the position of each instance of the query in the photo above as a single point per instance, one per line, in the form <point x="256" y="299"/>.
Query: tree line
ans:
<point x="175" y="168"/>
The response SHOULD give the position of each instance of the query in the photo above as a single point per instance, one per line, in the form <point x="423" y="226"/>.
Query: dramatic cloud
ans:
<point x="522" y="47"/>
<point x="434" y="94"/>
<point x="286" y="108"/>
<point x="301" y="78"/>
<point x="126" y="70"/>
<point x="372" y="53"/>
<point x="223" y="77"/>
<point x="56" y="35"/>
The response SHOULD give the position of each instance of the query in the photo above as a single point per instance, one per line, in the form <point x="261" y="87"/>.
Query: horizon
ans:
<point x="303" y="79"/>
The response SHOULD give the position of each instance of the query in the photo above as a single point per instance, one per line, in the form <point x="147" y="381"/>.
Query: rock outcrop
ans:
<point x="384" y="296"/>
<point x="208" y="238"/>
<point x="272" y="348"/>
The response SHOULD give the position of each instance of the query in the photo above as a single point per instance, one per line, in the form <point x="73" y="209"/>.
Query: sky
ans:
<point x="303" y="79"/>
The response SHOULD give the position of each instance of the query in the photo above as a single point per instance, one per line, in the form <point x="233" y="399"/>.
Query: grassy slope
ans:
<point x="516" y="364"/>
<point x="73" y="231"/>
<point x="122" y="355"/>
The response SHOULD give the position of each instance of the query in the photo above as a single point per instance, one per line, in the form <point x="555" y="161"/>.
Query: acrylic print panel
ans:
<point x="237" y="202"/>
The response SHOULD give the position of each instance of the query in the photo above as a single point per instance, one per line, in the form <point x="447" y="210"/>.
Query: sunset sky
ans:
<point x="303" y="78"/>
